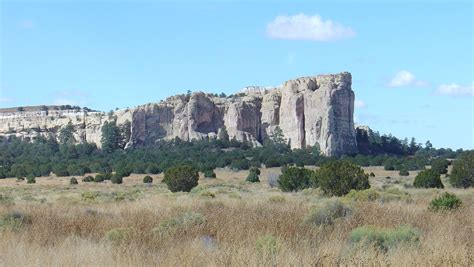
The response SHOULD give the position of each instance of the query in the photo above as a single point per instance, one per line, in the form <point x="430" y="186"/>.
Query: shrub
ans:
<point x="372" y="174"/>
<point x="403" y="172"/>
<point x="183" y="222"/>
<point x="384" y="238"/>
<point x="99" y="178"/>
<point x="462" y="174"/>
<point x="153" y="169"/>
<point x="295" y="179"/>
<point x="209" y="174"/>
<point x="181" y="178"/>
<point x="277" y="199"/>
<point x="389" y="167"/>
<point x="147" y="179"/>
<point x="88" y="179"/>
<point x="363" y="195"/>
<point x="339" y="177"/>
<point x="328" y="213"/>
<point x="445" y="202"/>
<point x="255" y="170"/>
<point x="73" y="181"/>
<point x="30" y="179"/>
<point x="428" y="179"/>
<point x="118" y="236"/>
<point x="60" y="170"/>
<point x="267" y="246"/>
<point x="208" y="194"/>
<point x="240" y="164"/>
<point x="14" y="220"/>
<point x="253" y="176"/>
<point x="117" y="179"/>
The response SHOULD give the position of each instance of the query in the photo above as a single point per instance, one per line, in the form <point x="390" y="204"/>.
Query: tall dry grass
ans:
<point x="76" y="235"/>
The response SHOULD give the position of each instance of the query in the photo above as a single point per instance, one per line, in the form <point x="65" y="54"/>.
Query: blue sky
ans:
<point x="412" y="62"/>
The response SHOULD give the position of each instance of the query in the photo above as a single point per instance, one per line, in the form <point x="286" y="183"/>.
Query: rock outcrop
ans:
<point x="310" y="111"/>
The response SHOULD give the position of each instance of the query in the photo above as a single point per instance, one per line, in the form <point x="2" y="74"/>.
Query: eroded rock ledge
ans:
<point x="310" y="111"/>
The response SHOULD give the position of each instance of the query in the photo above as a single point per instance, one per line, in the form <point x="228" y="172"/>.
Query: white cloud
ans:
<point x="455" y="89"/>
<point x="405" y="78"/>
<point x="304" y="27"/>
<point x="359" y="104"/>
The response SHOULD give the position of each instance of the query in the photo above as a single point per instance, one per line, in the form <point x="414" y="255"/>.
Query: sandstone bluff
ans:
<point x="310" y="111"/>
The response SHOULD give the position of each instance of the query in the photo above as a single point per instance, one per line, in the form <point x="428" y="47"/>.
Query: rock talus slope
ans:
<point x="310" y="111"/>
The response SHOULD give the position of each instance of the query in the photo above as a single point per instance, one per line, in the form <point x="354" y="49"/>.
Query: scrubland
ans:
<point x="228" y="222"/>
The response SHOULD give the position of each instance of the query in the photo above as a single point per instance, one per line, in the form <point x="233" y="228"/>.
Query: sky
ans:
<point x="411" y="61"/>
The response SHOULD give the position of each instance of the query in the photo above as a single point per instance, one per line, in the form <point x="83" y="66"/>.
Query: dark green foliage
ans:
<point x="147" y="179"/>
<point x="240" y="164"/>
<point x="73" y="181"/>
<point x="153" y="169"/>
<point x="116" y="179"/>
<point x="440" y="165"/>
<point x="339" y="177"/>
<point x="428" y="179"/>
<point x="60" y="170"/>
<point x="66" y="135"/>
<point x="181" y="178"/>
<point x="388" y="166"/>
<point x="295" y="179"/>
<point x="462" y="174"/>
<point x="255" y="170"/>
<point x="115" y="137"/>
<point x="445" y="202"/>
<point x="30" y="179"/>
<point x="403" y="172"/>
<point x="88" y="179"/>
<point x="209" y="174"/>
<point x="372" y="174"/>
<point x="99" y="178"/>
<point x="254" y="175"/>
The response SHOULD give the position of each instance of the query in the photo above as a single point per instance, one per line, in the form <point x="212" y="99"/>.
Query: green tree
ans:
<point x="66" y="135"/>
<point x="428" y="179"/>
<point x="254" y="175"/>
<point x="295" y="179"/>
<point x="462" y="174"/>
<point x="341" y="176"/>
<point x="181" y="178"/>
<point x="111" y="137"/>
<point x="440" y="165"/>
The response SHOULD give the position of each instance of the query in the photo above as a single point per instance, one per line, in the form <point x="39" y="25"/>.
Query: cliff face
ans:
<point x="310" y="111"/>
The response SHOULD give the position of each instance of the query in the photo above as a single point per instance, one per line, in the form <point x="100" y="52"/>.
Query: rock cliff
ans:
<point x="310" y="111"/>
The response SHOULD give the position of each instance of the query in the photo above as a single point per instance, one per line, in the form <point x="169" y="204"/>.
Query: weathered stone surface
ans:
<point x="310" y="111"/>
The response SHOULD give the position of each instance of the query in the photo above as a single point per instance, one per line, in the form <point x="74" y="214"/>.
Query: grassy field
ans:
<point x="223" y="222"/>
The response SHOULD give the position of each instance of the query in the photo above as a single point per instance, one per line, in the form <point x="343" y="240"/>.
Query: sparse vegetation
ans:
<point x="445" y="202"/>
<point x="384" y="239"/>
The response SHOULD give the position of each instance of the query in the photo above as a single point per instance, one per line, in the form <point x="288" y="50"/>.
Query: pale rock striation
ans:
<point x="311" y="111"/>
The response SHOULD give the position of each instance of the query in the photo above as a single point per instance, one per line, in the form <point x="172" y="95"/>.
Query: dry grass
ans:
<point x="70" y="225"/>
